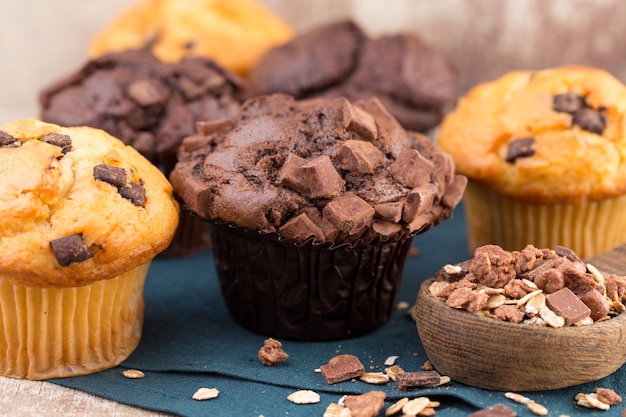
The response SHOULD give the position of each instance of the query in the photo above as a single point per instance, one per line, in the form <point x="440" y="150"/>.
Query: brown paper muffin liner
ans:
<point x="588" y="228"/>
<point x="62" y="332"/>
<point x="192" y="236"/>
<point x="307" y="292"/>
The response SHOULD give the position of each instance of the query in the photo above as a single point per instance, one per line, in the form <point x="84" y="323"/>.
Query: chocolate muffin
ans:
<point x="315" y="204"/>
<point x="414" y="81"/>
<point x="149" y="105"/>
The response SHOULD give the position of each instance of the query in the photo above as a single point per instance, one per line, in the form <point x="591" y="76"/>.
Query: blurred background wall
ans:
<point x="43" y="40"/>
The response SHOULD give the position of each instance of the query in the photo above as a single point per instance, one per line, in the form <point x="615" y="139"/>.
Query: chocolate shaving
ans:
<point x="520" y="148"/>
<point x="7" y="141"/>
<point x="591" y="120"/>
<point x="568" y="103"/>
<point x="116" y="176"/>
<point x="70" y="249"/>
<point x="58" y="139"/>
<point x="417" y="379"/>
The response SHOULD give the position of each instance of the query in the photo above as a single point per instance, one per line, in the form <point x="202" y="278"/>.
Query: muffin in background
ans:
<point x="314" y="204"/>
<point x="236" y="33"/>
<point x="150" y="105"/>
<point x="544" y="153"/>
<point x="415" y="82"/>
<point x="82" y="217"/>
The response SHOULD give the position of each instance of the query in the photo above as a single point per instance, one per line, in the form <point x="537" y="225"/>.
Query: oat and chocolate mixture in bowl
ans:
<point x="539" y="287"/>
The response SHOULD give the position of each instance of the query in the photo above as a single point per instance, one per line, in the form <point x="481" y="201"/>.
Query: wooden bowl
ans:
<point x="497" y="355"/>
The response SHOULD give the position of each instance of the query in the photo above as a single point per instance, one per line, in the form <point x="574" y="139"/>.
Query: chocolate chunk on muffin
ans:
<point x="414" y="81"/>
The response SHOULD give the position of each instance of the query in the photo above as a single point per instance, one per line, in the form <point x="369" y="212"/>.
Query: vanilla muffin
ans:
<point x="544" y="153"/>
<point x="81" y="217"/>
<point x="236" y="33"/>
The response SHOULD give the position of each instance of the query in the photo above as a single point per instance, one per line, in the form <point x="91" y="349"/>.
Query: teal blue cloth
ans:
<point x="189" y="341"/>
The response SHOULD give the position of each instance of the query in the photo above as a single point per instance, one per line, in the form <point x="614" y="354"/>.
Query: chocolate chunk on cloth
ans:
<point x="70" y="249"/>
<point x="497" y="410"/>
<point x="408" y="380"/>
<point x="565" y="303"/>
<point x="342" y="368"/>
<point x="148" y="104"/>
<point x="413" y="80"/>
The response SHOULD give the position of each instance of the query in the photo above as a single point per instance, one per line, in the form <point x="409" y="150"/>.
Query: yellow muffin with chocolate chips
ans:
<point x="81" y="217"/>
<point x="544" y="151"/>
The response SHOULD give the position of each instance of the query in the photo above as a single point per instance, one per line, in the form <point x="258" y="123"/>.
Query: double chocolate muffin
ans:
<point x="150" y="105"/>
<point x="314" y="204"/>
<point x="414" y="81"/>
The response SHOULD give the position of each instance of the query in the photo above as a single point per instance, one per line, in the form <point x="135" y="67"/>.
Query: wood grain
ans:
<point x="498" y="355"/>
<point x="25" y="398"/>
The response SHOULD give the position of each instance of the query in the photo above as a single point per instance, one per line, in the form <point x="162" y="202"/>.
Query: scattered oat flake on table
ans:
<point x="133" y="374"/>
<point x="203" y="394"/>
<point x="402" y="305"/>
<point x="304" y="396"/>
<point x="534" y="407"/>
<point x="336" y="410"/>
<point x="391" y="360"/>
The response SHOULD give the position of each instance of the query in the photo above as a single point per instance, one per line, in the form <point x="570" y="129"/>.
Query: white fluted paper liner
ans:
<point x="61" y="332"/>
<point x="588" y="228"/>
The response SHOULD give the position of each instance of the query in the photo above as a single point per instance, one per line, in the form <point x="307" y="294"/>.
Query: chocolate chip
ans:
<point x="134" y="192"/>
<point x="349" y="213"/>
<point x="57" y="139"/>
<point x="7" y="141"/>
<point x="70" y="249"/>
<point x="116" y="176"/>
<point x="113" y="175"/>
<point x="568" y="103"/>
<point x="520" y="148"/>
<point x="591" y="120"/>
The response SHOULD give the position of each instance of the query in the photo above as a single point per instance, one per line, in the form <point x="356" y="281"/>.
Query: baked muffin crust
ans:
<point x="55" y="193"/>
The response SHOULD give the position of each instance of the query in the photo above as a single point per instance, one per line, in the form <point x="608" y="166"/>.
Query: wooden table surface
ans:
<point x="22" y="398"/>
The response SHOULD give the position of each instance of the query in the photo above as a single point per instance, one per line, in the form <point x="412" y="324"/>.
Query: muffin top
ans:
<point x="330" y="170"/>
<point x="77" y="206"/>
<point x="415" y="82"/>
<point x="554" y="135"/>
<point x="144" y="102"/>
<point x="236" y="33"/>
